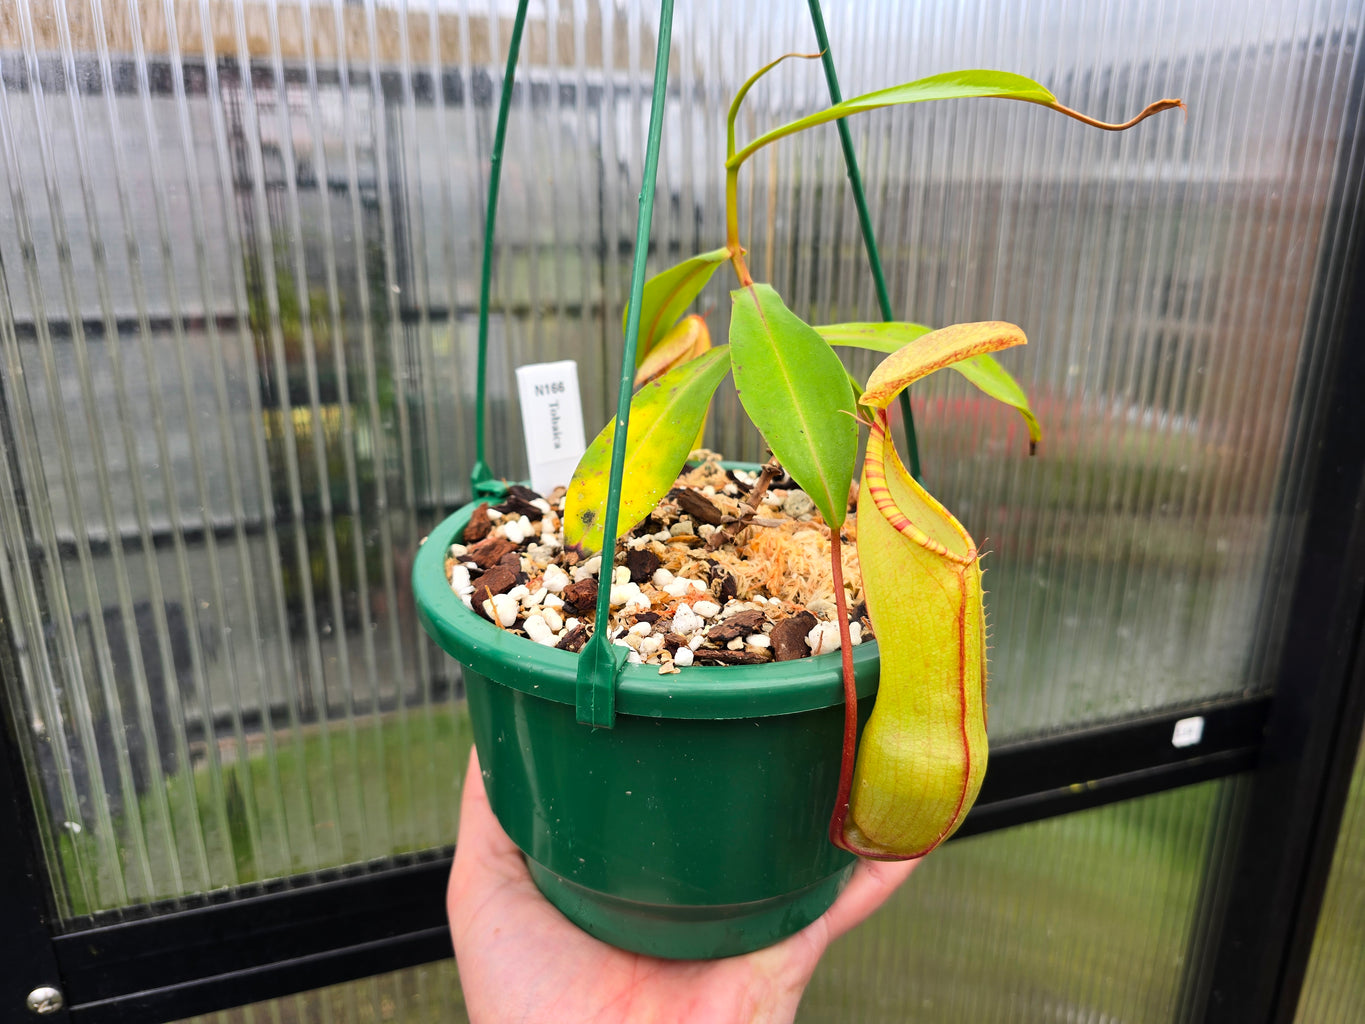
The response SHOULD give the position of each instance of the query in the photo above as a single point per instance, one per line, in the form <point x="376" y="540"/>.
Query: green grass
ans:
<point x="341" y="794"/>
<point x="1334" y="984"/>
<point x="1084" y="917"/>
<point x="429" y="994"/>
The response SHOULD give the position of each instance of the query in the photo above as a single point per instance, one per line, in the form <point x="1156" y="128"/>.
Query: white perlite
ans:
<point x="686" y="621"/>
<point x="517" y="530"/>
<point x="556" y="579"/>
<point x="823" y="638"/>
<point x="539" y="630"/>
<point x="502" y="607"/>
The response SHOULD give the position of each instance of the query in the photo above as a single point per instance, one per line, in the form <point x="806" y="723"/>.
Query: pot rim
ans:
<point x="698" y="691"/>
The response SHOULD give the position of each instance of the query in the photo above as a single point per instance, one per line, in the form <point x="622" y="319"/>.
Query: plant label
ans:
<point x="552" y="421"/>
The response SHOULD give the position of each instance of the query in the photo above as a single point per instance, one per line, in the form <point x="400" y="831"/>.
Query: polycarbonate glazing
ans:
<point x="1334" y="984"/>
<point x="238" y="274"/>
<point x="1088" y="917"/>
<point x="429" y="994"/>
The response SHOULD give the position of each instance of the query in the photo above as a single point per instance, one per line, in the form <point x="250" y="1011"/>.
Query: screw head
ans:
<point x="44" y="1000"/>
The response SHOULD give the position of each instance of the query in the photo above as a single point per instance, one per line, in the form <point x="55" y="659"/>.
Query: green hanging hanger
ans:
<point x="601" y="661"/>
<point x="855" y="181"/>
<point x="482" y="483"/>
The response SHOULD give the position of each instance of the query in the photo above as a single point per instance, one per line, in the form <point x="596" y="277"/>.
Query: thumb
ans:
<point x="872" y="884"/>
<point x="483" y="851"/>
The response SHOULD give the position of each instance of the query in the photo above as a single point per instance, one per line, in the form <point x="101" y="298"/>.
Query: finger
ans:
<point x="872" y="884"/>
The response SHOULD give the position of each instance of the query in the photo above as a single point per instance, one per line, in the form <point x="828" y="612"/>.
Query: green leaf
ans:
<point x="665" y="416"/>
<point x="879" y="337"/>
<point x="934" y="351"/>
<point x="796" y="391"/>
<point x="668" y="294"/>
<point x="992" y="378"/>
<point x="951" y="85"/>
<point x="982" y="370"/>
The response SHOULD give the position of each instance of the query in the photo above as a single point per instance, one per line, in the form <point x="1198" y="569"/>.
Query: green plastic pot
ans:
<point x="697" y="826"/>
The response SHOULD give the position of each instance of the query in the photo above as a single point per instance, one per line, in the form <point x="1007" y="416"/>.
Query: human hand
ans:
<point x="521" y="960"/>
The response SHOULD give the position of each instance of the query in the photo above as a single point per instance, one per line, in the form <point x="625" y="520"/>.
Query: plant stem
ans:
<point x="732" y="175"/>
<point x="732" y="228"/>
<point x="850" y="752"/>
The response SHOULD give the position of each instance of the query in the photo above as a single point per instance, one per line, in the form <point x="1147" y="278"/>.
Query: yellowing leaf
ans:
<point x="665" y="416"/>
<point x="923" y="753"/>
<point x="667" y="294"/>
<point x="687" y="339"/>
